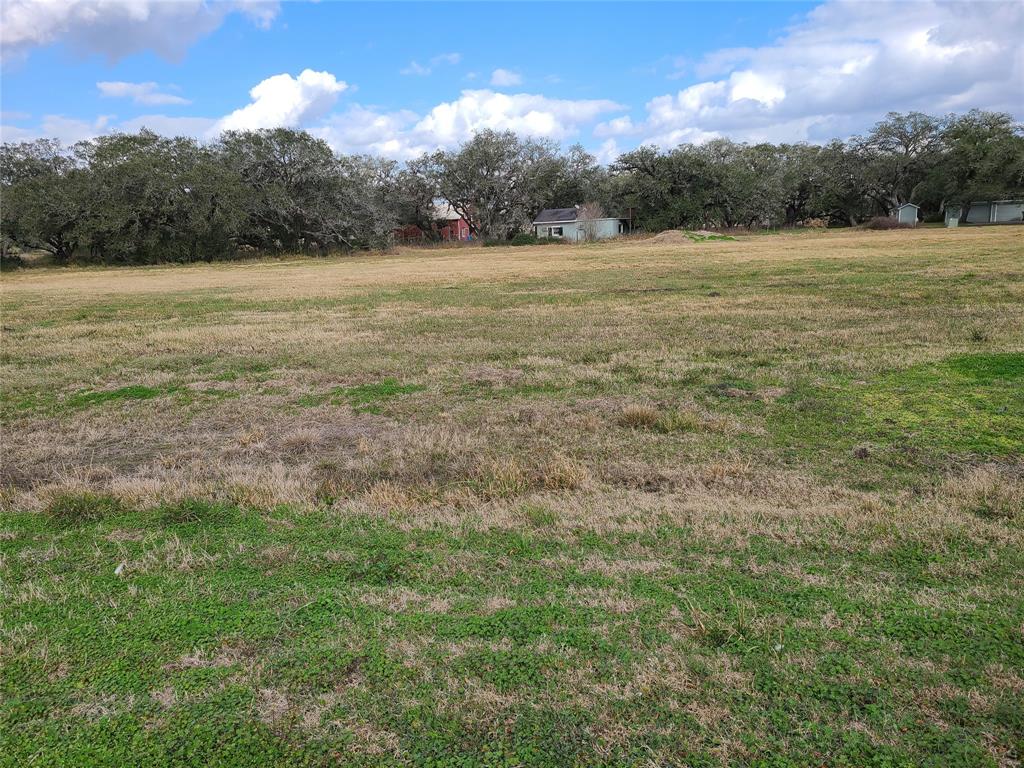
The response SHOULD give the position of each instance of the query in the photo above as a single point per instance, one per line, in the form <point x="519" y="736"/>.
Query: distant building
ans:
<point x="986" y="212"/>
<point x="451" y="226"/>
<point x="566" y="223"/>
<point x="447" y="225"/>
<point x="907" y="214"/>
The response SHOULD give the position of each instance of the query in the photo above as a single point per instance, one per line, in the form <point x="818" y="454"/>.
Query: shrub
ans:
<point x="78" y="507"/>
<point x="884" y="222"/>
<point x="521" y="238"/>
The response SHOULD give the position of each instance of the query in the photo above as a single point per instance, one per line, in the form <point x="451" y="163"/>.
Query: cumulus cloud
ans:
<point x="405" y="134"/>
<point x="421" y="70"/>
<point x="118" y="28"/>
<point x="524" y="113"/>
<point x="504" y="78"/>
<point x="304" y="101"/>
<point x="359" y="130"/>
<point x="286" y="101"/>
<point x="842" y="67"/>
<point x="141" y="93"/>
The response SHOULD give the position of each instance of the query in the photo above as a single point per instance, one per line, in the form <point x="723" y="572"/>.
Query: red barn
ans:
<point x="451" y="226"/>
<point x="448" y="226"/>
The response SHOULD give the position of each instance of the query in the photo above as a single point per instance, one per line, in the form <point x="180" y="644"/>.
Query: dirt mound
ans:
<point x="683" y="236"/>
<point x="671" y="236"/>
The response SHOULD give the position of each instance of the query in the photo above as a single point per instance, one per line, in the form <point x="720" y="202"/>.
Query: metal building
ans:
<point x="907" y="214"/>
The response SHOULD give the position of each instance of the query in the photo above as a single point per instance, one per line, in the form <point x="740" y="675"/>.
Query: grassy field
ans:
<point x="755" y="502"/>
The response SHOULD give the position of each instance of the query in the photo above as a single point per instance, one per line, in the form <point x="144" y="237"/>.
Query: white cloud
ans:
<point x="304" y="101"/>
<point x="405" y="134"/>
<point x="118" y="28"/>
<point x="447" y="58"/>
<point x="421" y="70"/>
<point x="608" y="151"/>
<point x="67" y="130"/>
<point x="619" y="126"/>
<point x="415" y="68"/>
<point x="503" y="78"/>
<point x="359" y="130"/>
<point x="844" y="66"/>
<point x="286" y="101"/>
<point x="140" y="93"/>
<point x="524" y="113"/>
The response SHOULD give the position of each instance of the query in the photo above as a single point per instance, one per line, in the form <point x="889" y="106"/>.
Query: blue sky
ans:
<point x="401" y="78"/>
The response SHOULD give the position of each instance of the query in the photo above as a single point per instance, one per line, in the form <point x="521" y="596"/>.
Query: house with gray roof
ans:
<point x="567" y="224"/>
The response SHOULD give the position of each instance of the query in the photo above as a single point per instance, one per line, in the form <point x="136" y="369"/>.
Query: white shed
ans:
<point x="986" y="212"/>
<point x="907" y="214"/>
<point x="995" y="212"/>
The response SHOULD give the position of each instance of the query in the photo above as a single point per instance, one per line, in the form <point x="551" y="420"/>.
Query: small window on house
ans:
<point x="555" y="231"/>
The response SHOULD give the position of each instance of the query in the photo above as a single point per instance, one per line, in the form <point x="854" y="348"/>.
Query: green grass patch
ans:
<point x="905" y="422"/>
<point x="225" y="637"/>
<point x="86" y="399"/>
<point x="972" y="404"/>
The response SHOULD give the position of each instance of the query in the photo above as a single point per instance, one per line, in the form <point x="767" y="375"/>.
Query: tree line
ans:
<point x="143" y="198"/>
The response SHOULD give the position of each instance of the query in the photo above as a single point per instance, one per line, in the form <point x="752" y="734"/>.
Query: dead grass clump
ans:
<point x="301" y="440"/>
<point x="680" y="420"/>
<point x="501" y="477"/>
<point x="565" y="474"/>
<point x="989" y="491"/>
<point x="252" y="437"/>
<point x="638" y="417"/>
<point x="389" y="495"/>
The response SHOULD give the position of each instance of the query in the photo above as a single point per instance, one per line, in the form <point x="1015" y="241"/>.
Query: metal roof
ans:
<point x="444" y="212"/>
<point x="556" y="216"/>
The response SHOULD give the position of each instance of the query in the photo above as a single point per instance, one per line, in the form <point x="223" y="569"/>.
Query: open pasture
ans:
<point x="751" y="502"/>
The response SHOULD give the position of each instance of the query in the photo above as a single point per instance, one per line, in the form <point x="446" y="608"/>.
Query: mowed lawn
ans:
<point x="755" y="502"/>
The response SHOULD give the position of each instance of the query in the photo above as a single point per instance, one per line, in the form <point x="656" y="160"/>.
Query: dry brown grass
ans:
<point x="440" y="454"/>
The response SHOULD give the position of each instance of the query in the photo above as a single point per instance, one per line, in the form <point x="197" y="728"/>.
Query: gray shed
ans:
<point x="565" y="223"/>
<point x="907" y="214"/>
